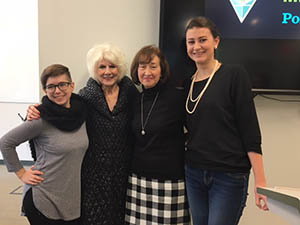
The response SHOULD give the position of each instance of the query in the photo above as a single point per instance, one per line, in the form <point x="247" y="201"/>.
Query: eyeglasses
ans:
<point x="63" y="86"/>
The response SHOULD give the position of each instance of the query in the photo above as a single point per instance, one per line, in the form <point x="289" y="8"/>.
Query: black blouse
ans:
<point x="224" y="126"/>
<point x="159" y="153"/>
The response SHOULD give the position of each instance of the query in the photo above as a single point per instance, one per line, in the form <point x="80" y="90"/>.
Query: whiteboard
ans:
<point x="19" y="54"/>
<point x="9" y="119"/>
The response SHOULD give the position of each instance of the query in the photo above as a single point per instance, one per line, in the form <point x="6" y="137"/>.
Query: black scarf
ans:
<point x="65" y="119"/>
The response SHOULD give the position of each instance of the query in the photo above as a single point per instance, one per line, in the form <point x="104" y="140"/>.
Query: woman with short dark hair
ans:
<point x="52" y="190"/>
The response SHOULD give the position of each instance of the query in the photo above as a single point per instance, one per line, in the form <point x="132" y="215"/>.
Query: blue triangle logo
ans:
<point x="242" y="8"/>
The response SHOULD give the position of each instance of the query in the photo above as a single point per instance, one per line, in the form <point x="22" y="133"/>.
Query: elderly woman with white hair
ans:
<point x="108" y="94"/>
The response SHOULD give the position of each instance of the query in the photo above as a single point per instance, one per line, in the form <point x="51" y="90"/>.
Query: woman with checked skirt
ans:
<point x="156" y="193"/>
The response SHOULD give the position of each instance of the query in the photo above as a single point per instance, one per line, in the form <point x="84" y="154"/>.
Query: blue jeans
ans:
<point x="216" y="198"/>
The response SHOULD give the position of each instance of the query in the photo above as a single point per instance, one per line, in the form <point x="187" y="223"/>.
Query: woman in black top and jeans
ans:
<point x="224" y="139"/>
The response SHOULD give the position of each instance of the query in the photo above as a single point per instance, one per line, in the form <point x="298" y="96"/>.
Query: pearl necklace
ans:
<point x="190" y="95"/>
<point x="148" y="115"/>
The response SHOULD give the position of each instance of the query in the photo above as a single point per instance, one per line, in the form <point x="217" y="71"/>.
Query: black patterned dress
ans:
<point x="106" y="163"/>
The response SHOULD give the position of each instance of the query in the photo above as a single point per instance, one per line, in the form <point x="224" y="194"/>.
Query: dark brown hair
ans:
<point x="144" y="56"/>
<point x="54" y="71"/>
<point x="202" y="21"/>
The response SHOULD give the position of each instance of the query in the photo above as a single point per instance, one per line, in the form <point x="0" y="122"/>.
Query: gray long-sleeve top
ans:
<point x="59" y="157"/>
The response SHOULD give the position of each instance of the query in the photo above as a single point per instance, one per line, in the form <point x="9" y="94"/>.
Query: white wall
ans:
<point x="69" y="28"/>
<point x="19" y="64"/>
<point x="280" y="125"/>
<point x="19" y="59"/>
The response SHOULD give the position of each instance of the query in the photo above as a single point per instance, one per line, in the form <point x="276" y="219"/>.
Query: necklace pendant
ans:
<point x="143" y="132"/>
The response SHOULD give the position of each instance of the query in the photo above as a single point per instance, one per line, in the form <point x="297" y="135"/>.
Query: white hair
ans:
<point x="109" y="52"/>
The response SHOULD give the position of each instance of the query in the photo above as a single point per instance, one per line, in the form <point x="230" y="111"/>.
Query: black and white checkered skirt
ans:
<point x="152" y="201"/>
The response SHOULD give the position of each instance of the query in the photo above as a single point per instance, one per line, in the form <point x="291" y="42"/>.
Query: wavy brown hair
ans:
<point x="144" y="56"/>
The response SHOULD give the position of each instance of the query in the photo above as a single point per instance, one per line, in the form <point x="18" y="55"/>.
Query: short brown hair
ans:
<point x="54" y="71"/>
<point x="144" y="56"/>
<point x="202" y="22"/>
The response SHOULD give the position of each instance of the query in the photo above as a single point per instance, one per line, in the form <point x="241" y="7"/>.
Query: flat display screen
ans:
<point x="261" y="35"/>
<point x="255" y="19"/>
